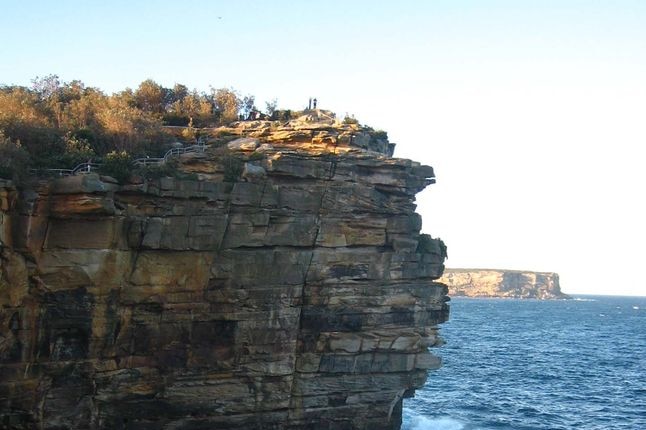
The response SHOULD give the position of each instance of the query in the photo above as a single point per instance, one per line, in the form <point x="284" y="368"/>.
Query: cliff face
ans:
<point x="503" y="283"/>
<point x="294" y="298"/>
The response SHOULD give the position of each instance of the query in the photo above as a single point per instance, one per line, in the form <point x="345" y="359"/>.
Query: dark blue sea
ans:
<point x="530" y="364"/>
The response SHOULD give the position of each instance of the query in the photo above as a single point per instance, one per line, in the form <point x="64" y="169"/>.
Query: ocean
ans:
<point x="530" y="364"/>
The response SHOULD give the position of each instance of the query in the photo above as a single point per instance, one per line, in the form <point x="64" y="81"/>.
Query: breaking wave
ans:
<point x="420" y="422"/>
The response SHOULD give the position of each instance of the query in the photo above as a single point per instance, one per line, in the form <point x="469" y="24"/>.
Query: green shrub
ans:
<point x="14" y="160"/>
<point x="233" y="167"/>
<point x="155" y="172"/>
<point x="77" y="151"/>
<point x="118" y="165"/>
<point x="350" y="120"/>
<point x="85" y="133"/>
<point x="424" y="244"/>
<point x="175" y="119"/>
<point x="428" y="245"/>
<point x="380" y="135"/>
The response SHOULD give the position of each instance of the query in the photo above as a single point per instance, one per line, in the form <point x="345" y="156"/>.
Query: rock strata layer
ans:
<point x="503" y="283"/>
<point x="294" y="296"/>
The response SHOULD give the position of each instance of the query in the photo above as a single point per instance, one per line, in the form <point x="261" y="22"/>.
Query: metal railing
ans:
<point x="173" y="152"/>
<point x="85" y="168"/>
<point x="51" y="172"/>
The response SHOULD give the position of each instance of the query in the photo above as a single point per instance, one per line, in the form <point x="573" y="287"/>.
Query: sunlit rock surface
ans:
<point x="297" y="297"/>
<point x="503" y="283"/>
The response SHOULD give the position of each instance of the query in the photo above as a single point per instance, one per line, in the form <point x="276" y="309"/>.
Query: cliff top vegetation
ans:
<point x="60" y="123"/>
<point x="55" y="124"/>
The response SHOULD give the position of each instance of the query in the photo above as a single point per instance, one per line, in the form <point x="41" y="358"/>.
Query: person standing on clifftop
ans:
<point x="309" y="104"/>
<point x="314" y="103"/>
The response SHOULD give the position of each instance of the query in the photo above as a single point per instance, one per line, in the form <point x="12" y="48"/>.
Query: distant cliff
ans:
<point x="280" y="282"/>
<point x="503" y="283"/>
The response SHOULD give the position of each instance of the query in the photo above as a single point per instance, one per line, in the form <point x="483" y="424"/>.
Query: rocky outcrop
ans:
<point x="294" y="296"/>
<point x="503" y="283"/>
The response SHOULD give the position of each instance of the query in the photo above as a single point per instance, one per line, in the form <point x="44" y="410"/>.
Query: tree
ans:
<point x="194" y="108"/>
<point x="25" y="118"/>
<point x="46" y="86"/>
<point x="227" y="104"/>
<point x="247" y="105"/>
<point x="80" y="113"/>
<point x="178" y="92"/>
<point x="270" y="107"/>
<point x="18" y="104"/>
<point x="151" y="97"/>
<point x="59" y="123"/>
<point x="127" y="128"/>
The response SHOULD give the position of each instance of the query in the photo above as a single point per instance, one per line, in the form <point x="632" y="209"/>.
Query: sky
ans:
<point x="531" y="112"/>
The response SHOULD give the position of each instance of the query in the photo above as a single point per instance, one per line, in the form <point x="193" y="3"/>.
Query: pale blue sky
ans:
<point x="532" y="112"/>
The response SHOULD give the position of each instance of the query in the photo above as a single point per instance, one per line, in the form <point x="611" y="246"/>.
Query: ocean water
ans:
<point x="529" y="364"/>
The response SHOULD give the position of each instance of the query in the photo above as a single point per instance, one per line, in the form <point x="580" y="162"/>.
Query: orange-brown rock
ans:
<point x="297" y="297"/>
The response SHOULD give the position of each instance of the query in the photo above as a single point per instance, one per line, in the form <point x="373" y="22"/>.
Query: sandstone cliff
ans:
<point x="503" y="283"/>
<point x="293" y="297"/>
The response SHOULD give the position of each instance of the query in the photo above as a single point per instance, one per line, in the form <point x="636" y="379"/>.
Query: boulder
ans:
<point x="243" y="144"/>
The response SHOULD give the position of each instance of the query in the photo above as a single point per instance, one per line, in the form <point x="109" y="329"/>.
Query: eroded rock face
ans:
<point x="503" y="283"/>
<point x="295" y="298"/>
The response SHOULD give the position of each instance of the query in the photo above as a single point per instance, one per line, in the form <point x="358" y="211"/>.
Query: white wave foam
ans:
<point x="423" y="423"/>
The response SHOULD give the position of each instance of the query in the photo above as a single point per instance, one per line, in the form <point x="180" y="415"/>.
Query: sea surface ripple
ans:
<point x="530" y="364"/>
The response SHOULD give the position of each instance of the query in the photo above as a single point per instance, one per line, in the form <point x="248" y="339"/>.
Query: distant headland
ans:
<point x="503" y="283"/>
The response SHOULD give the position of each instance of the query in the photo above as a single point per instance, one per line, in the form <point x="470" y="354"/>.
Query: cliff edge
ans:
<point x="280" y="285"/>
<point x="503" y="283"/>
